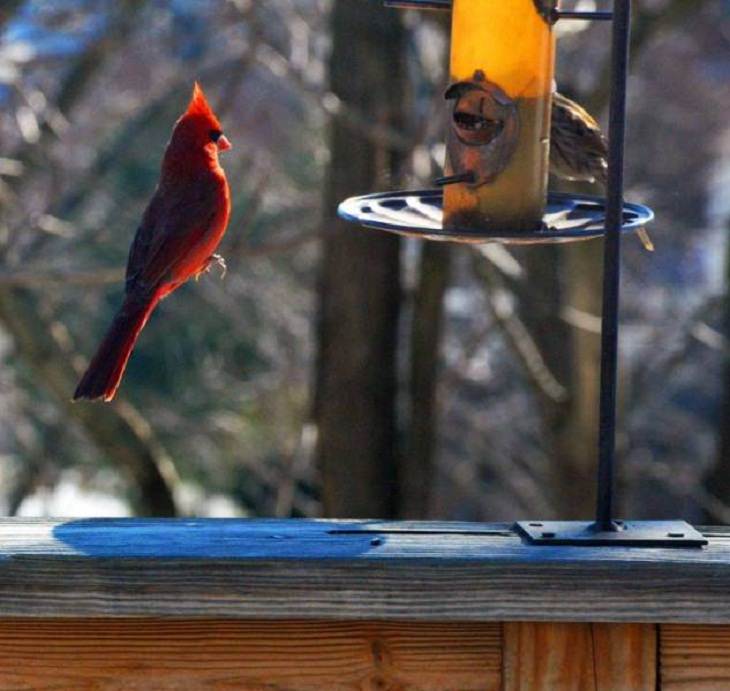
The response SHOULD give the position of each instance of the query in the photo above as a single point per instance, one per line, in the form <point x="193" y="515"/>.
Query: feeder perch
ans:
<point x="494" y="190"/>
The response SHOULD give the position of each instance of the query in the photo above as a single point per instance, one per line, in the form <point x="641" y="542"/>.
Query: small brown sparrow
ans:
<point x="578" y="149"/>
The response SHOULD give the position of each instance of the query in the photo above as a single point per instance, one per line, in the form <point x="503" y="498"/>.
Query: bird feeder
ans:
<point x="494" y="190"/>
<point x="497" y="140"/>
<point x="502" y="56"/>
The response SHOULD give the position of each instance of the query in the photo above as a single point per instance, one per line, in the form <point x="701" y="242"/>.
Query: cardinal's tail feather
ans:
<point x="104" y="374"/>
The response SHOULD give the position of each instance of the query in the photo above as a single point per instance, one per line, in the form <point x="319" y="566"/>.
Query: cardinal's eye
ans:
<point x="215" y="135"/>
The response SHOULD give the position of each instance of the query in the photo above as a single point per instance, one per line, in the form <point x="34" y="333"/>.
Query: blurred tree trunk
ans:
<point x="560" y="298"/>
<point x="553" y="334"/>
<point x="541" y="298"/>
<point x="717" y="482"/>
<point x="359" y="290"/>
<point x="574" y="433"/>
<point x="417" y="464"/>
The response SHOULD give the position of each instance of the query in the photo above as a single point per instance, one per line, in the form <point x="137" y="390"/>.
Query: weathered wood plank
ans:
<point x="579" y="657"/>
<point x="625" y="656"/>
<point x="548" y="657"/>
<point x="105" y="654"/>
<point x="347" y="570"/>
<point x="694" y="657"/>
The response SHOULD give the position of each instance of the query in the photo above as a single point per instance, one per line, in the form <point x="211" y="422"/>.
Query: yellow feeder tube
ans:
<point x="502" y="62"/>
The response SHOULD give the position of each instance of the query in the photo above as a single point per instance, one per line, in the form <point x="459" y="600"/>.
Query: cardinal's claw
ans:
<point x="214" y="258"/>
<point x="218" y="259"/>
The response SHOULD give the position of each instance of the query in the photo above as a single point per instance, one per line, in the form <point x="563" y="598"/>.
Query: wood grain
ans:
<point x="548" y="657"/>
<point x="279" y="569"/>
<point x="113" y="654"/>
<point x="625" y="656"/>
<point x="579" y="657"/>
<point x="694" y="658"/>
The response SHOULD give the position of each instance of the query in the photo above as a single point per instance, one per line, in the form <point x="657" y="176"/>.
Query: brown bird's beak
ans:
<point x="223" y="143"/>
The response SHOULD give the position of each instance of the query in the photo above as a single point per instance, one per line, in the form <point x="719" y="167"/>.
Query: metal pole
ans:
<point x="577" y="14"/>
<point x="612" y="265"/>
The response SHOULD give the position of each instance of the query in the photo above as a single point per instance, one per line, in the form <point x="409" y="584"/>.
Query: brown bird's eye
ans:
<point x="215" y="135"/>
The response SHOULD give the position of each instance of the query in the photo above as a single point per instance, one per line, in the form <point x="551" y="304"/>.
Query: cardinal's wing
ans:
<point x="143" y="238"/>
<point x="177" y="218"/>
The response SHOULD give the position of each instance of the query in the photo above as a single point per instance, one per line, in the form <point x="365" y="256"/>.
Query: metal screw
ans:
<point x="376" y="541"/>
<point x="675" y="534"/>
<point x="535" y="525"/>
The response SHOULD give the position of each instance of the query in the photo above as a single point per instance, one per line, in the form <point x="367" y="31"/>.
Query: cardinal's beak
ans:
<point x="223" y="143"/>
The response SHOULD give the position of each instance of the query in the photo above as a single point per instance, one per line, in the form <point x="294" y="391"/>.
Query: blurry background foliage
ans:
<point x="334" y="371"/>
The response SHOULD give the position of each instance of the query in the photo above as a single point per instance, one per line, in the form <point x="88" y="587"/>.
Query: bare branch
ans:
<point x="517" y="333"/>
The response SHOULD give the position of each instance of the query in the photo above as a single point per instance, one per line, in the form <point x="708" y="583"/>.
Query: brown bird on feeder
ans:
<point x="578" y="149"/>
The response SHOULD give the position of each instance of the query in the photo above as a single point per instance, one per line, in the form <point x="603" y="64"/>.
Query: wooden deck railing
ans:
<point x="278" y="604"/>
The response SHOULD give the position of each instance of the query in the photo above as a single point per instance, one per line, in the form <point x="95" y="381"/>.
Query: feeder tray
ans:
<point x="419" y="214"/>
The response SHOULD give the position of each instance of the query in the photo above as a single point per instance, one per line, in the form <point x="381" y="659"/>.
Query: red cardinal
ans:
<point x="179" y="233"/>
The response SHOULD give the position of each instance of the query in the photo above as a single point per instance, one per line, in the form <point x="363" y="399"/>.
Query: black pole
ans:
<point x="612" y="265"/>
<point x="577" y="14"/>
